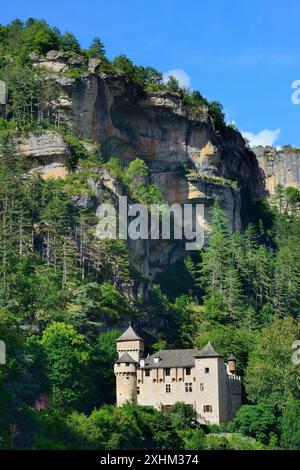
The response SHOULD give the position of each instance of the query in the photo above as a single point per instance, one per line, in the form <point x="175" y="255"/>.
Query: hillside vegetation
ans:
<point x="65" y="296"/>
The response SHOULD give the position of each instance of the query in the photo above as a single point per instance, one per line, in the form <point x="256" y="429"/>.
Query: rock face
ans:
<point x="188" y="159"/>
<point x="129" y="123"/>
<point x="48" y="150"/>
<point x="57" y="61"/>
<point x="157" y="127"/>
<point x="180" y="189"/>
<point x="279" y="166"/>
<point x="44" y="147"/>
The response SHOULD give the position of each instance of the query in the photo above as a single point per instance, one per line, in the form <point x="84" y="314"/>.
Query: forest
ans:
<point x="65" y="297"/>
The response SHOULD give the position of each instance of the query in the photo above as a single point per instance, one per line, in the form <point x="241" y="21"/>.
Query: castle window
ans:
<point x="207" y="409"/>
<point x="167" y="371"/>
<point x="127" y="364"/>
<point x="206" y="370"/>
<point x="201" y="387"/>
<point x="188" y="387"/>
<point x="138" y="390"/>
<point x="147" y="373"/>
<point x="188" y="371"/>
<point x="168" y="388"/>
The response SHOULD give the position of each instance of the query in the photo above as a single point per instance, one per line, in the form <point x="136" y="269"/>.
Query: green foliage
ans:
<point x="258" y="421"/>
<point x="96" y="49"/>
<point x="77" y="148"/>
<point x="114" y="166"/>
<point x="69" y="43"/>
<point x="134" y="179"/>
<point x="224" y="296"/>
<point x="147" y="194"/>
<point x="127" y="427"/>
<point x="239" y="442"/>
<point x="178" y="279"/>
<point x="290" y="424"/>
<point x="271" y="376"/>
<point x="136" y="169"/>
<point x="19" y="39"/>
<point x="104" y="355"/>
<point x="194" y="100"/>
<point x="193" y="439"/>
<point x="32" y="99"/>
<point x="122" y="64"/>
<point x="219" y="180"/>
<point x="227" y="340"/>
<point x="94" y="303"/>
<point x="67" y="357"/>
<point x="182" y="415"/>
<point x="215" y="442"/>
<point x="172" y="85"/>
<point x="216" y="112"/>
<point x="147" y="77"/>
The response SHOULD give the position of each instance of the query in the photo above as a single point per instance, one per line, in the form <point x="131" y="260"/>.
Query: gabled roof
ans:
<point x="126" y="358"/>
<point x="169" y="358"/>
<point x="208" y="351"/>
<point x="129" y="335"/>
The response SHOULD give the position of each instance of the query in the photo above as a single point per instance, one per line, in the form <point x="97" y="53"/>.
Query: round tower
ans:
<point x="232" y="364"/>
<point x="126" y="381"/>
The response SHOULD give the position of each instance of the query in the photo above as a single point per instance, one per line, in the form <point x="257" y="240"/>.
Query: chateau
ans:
<point x="200" y="379"/>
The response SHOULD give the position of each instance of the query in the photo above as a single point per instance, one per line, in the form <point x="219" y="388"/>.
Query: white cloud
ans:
<point x="264" y="137"/>
<point x="183" y="78"/>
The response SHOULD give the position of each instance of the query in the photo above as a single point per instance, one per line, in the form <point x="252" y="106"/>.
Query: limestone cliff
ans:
<point x="48" y="150"/>
<point x="188" y="158"/>
<point x="129" y="123"/>
<point x="156" y="126"/>
<point x="279" y="166"/>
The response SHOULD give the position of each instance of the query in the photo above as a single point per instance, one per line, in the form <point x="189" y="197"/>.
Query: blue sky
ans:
<point x="243" y="53"/>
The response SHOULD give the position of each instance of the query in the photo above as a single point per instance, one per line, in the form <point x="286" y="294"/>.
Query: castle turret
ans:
<point x="232" y="364"/>
<point x="125" y="372"/>
<point x="131" y="343"/>
<point x="130" y="349"/>
<point x="211" y="373"/>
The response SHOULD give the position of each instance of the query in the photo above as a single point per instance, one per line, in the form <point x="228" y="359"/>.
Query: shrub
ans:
<point x="290" y="426"/>
<point x="258" y="421"/>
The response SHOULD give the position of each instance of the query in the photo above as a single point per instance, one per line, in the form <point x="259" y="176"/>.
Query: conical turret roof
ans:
<point x="232" y="358"/>
<point x="126" y="358"/>
<point x="129" y="335"/>
<point x="208" y="351"/>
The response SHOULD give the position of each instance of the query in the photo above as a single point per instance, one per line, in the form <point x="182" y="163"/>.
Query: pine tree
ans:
<point x="287" y="281"/>
<point x="234" y="297"/>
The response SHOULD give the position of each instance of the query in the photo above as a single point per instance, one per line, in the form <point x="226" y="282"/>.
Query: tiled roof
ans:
<point x="125" y="358"/>
<point x="128" y="335"/>
<point x="169" y="358"/>
<point x="208" y="351"/>
<point x="172" y="358"/>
